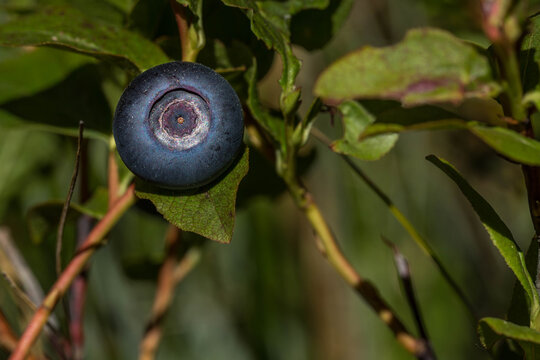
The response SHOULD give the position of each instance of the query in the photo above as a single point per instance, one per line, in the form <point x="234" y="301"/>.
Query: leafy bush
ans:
<point x="64" y="65"/>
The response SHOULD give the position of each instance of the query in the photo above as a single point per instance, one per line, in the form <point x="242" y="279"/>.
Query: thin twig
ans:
<point x="188" y="262"/>
<point x="15" y="266"/>
<point x="65" y="209"/>
<point x="29" y="307"/>
<point x="20" y="293"/>
<point x="337" y="259"/>
<point x="330" y="249"/>
<point x="171" y="273"/>
<point x="404" y="274"/>
<point x="8" y="339"/>
<point x="406" y="224"/>
<point x="77" y="295"/>
<point x="76" y="265"/>
<point x="15" y="271"/>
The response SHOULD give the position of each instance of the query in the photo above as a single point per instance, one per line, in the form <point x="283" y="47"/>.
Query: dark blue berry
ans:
<point x="178" y="125"/>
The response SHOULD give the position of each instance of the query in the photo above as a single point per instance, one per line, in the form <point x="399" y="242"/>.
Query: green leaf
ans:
<point x="355" y="120"/>
<point x="428" y="66"/>
<point x="272" y="124"/>
<point x="509" y="143"/>
<point x="492" y="330"/>
<point x="270" y="24"/>
<point x="498" y="232"/>
<point x="517" y="311"/>
<point x="390" y="115"/>
<point x="107" y="11"/>
<point x="209" y="211"/>
<point x="385" y="128"/>
<point x="69" y="29"/>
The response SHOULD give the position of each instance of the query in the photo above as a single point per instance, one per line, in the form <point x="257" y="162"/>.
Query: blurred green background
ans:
<point x="270" y="294"/>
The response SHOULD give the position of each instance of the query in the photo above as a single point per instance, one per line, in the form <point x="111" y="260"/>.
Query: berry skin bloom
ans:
<point x="178" y="125"/>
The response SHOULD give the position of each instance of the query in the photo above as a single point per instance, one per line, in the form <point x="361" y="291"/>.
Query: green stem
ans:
<point x="337" y="259"/>
<point x="330" y="249"/>
<point x="511" y="73"/>
<point x="406" y="224"/>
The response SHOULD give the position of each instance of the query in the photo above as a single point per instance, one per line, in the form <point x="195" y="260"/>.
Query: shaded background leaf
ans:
<point x="69" y="28"/>
<point x="530" y="55"/>
<point x="508" y="143"/>
<point x="491" y="331"/>
<point x="428" y="66"/>
<point x="265" y="288"/>
<point x="59" y="108"/>
<point x="314" y="28"/>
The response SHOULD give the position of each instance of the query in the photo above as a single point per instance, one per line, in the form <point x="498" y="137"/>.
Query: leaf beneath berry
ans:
<point x="208" y="211"/>
<point x="428" y="66"/>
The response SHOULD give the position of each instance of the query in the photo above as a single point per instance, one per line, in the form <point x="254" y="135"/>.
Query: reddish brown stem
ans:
<point x="77" y="297"/>
<point x="113" y="181"/>
<point x="65" y="209"/>
<point x="183" y="30"/>
<point x="92" y="242"/>
<point x="78" y="293"/>
<point x="171" y="273"/>
<point x="8" y="339"/>
<point x="164" y="293"/>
